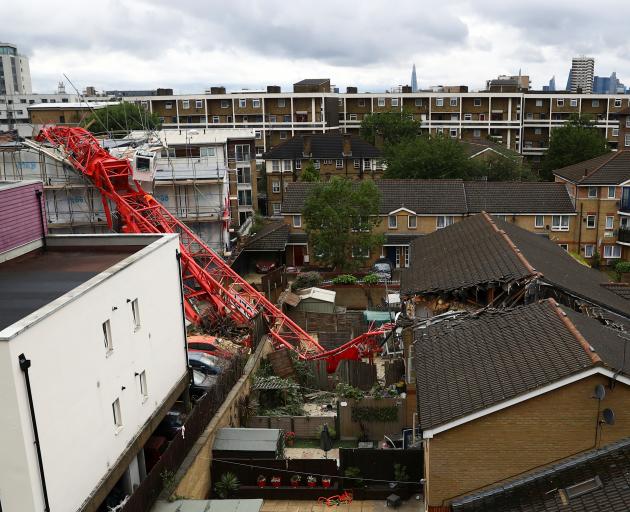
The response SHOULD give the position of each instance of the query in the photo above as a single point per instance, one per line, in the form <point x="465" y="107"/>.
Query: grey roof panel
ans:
<point x="323" y="146"/>
<point x="247" y="439"/>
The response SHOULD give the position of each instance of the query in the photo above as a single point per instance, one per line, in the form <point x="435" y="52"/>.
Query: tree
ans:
<point x="576" y="141"/>
<point x="120" y="119"/>
<point x="502" y="168"/>
<point x="339" y="217"/>
<point x="309" y="173"/>
<point x="394" y="127"/>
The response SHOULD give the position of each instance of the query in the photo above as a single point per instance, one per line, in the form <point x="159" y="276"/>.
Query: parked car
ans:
<point x="201" y="383"/>
<point x="264" y="266"/>
<point x="205" y="363"/>
<point x="170" y="425"/>
<point x="207" y="344"/>
<point x="383" y="269"/>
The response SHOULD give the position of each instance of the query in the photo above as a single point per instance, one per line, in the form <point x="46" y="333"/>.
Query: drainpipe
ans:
<point x="39" y="195"/>
<point x="25" y="364"/>
<point x="579" y="247"/>
<point x="178" y="255"/>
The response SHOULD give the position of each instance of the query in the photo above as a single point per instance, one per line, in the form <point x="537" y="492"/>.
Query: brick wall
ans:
<point x="521" y="438"/>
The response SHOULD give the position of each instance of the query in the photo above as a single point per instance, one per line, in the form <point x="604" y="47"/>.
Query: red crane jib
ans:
<point x="211" y="287"/>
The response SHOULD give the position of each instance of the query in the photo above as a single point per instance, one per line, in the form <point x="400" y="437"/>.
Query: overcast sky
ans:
<point x="190" y="45"/>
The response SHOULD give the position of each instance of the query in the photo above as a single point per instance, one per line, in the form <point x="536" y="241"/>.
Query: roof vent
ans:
<point x="592" y="484"/>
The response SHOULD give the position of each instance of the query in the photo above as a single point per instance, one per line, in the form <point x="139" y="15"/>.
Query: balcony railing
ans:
<point x="624" y="235"/>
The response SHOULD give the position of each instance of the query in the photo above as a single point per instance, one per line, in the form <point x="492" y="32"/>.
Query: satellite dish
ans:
<point x="609" y="416"/>
<point x="600" y="392"/>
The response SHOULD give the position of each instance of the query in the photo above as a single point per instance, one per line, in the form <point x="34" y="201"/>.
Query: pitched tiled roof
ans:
<point x="323" y="146"/>
<point x="454" y="197"/>
<point x="540" y="491"/>
<point x="468" y="253"/>
<point x="621" y="289"/>
<point x="517" y="197"/>
<point x="271" y="237"/>
<point x="472" y="363"/>
<point x="473" y="147"/>
<point x="607" y="169"/>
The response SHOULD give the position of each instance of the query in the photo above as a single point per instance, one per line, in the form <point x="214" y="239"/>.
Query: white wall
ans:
<point x="75" y="382"/>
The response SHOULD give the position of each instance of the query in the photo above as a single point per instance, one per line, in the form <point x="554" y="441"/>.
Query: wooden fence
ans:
<point x="350" y="428"/>
<point x="363" y="458"/>
<point x="305" y="427"/>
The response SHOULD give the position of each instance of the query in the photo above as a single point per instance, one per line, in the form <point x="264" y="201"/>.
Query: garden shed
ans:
<point x="247" y="443"/>
<point x="316" y="300"/>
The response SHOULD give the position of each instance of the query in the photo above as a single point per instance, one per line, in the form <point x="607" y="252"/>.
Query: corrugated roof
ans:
<point x="247" y="439"/>
<point x="317" y="294"/>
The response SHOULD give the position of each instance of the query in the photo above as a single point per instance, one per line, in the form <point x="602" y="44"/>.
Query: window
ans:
<point x="339" y="164"/>
<point x="256" y="103"/>
<point x="610" y="222"/>
<point x="590" y="221"/>
<point x="592" y="192"/>
<point x="628" y="122"/>
<point x="258" y="134"/>
<point x="418" y="102"/>
<point x="275" y="165"/>
<point x="186" y="104"/>
<point x="626" y="140"/>
<point x="560" y="223"/>
<point x="245" y="119"/>
<point x="135" y="314"/>
<point x="539" y="221"/>
<point x="168" y="106"/>
<point x="161" y="120"/>
<point x="612" y="251"/>
<point x="454" y="117"/>
<point x="467" y="117"/>
<point x="439" y="102"/>
<point x="286" y="165"/>
<point x="316" y="164"/>
<point x="443" y="221"/>
<point x="392" y="222"/>
<point x="286" y="118"/>
<point x="225" y="104"/>
<point x="297" y="221"/>
<point x="539" y="103"/>
<point x="245" y="197"/>
<point x="198" y="103"/>
<point x="117" y="414"/>
<point x="216" y="119"/>
<point x="412" y="222"/>
<point x="275" y="186"/>
<point x="282" y="102"/>
<point x="283" y="135"/>
<point x="272" y="118"/>
<point x="362" y="102"/>
<point x="107" y="337"/>
<point x="381" y="102"/>
<point x="482" y="117"/>
<point x="564" y="247"/>
<point x="594" y="103"/>
<point x="352" y="117"/>
<point x="453" y="102"/>
<point x="360" y="252"/>
<point x="298" y="164"/>
<point x="244" y="175"/>
<point x="612" y="192"/>
<point x="589" y="250"/>
<point x="476" y="133"/>
<point x="537" y="131"/>
<point x="144" y="392"/>
<point x="617" y="103"/>
<point x="453" y="133"/>
<point x="477" y="102"/>
<point x="357" y="164"/>
<point x="560" y="102"/>
<point x="206" y="152"/>
<point x="615" y="132"/>
<point x="394" y="102"/>
<point x="242" y="102"/>
<point x="573" y="102"/>
<point x="242" y="152"/>
<point x="276" y="208"/>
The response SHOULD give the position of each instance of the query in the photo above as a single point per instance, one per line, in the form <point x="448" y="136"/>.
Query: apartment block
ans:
<point x="15" y="74"/>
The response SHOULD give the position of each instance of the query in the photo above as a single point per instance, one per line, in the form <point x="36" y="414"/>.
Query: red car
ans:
<point x="207" y="344"/>
<point x="264" y="266"/>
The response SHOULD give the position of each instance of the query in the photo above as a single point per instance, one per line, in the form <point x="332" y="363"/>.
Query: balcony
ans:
<point x="624" y="235"/>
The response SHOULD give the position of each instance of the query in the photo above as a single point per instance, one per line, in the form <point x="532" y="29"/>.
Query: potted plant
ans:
<point x="325" y="482"/>
<point x="275" y="481"/>
<point x="311" y="481"/>
<point x="295" y="480"/>
<point x="227" y="485"/>
<point x="261" y="481"/>
<point x="289" y="438"/>
<point x="353" y="474"/>
<point x="400" y="475"/>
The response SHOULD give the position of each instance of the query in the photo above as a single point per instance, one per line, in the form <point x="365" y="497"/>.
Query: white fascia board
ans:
<point x="402" y="210"/>
<point x="597" y="370"/>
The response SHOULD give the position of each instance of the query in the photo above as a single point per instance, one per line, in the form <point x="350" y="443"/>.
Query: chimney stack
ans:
<point x="347" y="144"/>
<point x="306" y="146"/>
<point x="379" y="140"/>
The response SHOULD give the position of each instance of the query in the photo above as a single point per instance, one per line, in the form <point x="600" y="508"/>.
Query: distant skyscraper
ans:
<point x="552" y="85"/>
<point x="414" y="79"/>
<point x="581" y="75"/>
<point x="15" y="75"/>
<point x="608" y="85"/>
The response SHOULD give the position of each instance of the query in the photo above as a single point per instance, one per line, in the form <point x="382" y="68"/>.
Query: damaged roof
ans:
<point x="611" y="168"/>
<point x="271" y="237"/>
<point x="483" y="359"/>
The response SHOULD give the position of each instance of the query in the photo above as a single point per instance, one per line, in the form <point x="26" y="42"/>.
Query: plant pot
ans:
<point x="311" y="484"/>
<point x="325" y="484"/>
<point x="275" y="483"/>
<point x="262" y="483"/>
<point x="290" y="442"/>
<point x="295" y="484"/>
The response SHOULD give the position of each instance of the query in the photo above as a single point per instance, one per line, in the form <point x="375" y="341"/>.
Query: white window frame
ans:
<point x="275" y="186"/>
<point x="258" y="134"/>
<point x="610" y="222"/>
<point x="540" y="224"/>
<point x="418" y="102"/>
<point x="361" y="102"/>
<point x="168" y="105"/>
<point x="225" y="103"/>
<point x="529" y="116"/>
<point x="135" y="315"/>
<point x="615" y="132"/>
<point x="352" y="117"/>
<point x="286" y="165"/>
<point x="594" y="103"/>
<point x="117" y="415"/>
<point x="242" y="103"/>
<point x="256" y="103"/>
<point x="316" y="164"/>
<point x="144" y="390"/>
<point x="453" y="133"/>
<point x="591" y="221"/>
<point x="282" y="102"/>
<point x="410" y="224"/>
<point x="275" y="165"/>
<point x="357" y="163"/>
<point x="394" y="102"/>
<point x="381" y="102"/>
<point x="392" y="222"/>
<point x="107" y="337"/>
<point x="357" y="252"/>
<point x="338" y="164"/>
<point x="539" y="103"/>
<point x="276" y="208"/>
<point x="560" y="102"/>
<point x="439" y="102"/>
<point x="283" y="135"/>
<point x="564" y="247"/>
<point x="617" y="102"/>
<point x="185" y="104"/>
<point x="476" y="133"/>
<point x="627" y="121"/>
<point x="298" y="164"/>
<point x="612" y="252"/>
<point x="537" y="131"/>
<point x="614" y="191"/>
<point x="198" y="103"/>
<point x="453" y="102"/>
<point x="477" y="102"/>
<point x="573" y="102"/>
<point x="216" y="119"/>
<point x="272" y="118"/>
<point x="297" y="221"/>
<point x="561" y="225"/>
<point x="626" y="139"/>
<point x="208" y="151"/>
<point x="443" y="221"/>
<point x="589" y="250"/>
<point x="589" y="195"/>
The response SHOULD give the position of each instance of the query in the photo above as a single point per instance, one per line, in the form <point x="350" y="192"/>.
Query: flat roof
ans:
<point x="247" y="439"/>
<point x="30" y="284"/>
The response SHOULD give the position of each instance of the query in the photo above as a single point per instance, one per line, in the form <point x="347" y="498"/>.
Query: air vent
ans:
<point x="592" y="484"/>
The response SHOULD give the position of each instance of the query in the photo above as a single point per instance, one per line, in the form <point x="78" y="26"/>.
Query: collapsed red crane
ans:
<point x="211" y="287"/>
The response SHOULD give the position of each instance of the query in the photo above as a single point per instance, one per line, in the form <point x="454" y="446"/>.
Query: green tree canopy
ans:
<point x="392" y="126"/>
<point x="576" y="141"/>
<point x="309" y="173"/>
<point x="120" y="119"/>
<point x="340" y="216"/>
<point x="501" y="168"/>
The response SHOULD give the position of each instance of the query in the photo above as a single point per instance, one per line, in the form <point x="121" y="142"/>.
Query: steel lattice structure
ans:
<point x="211" y="288"/>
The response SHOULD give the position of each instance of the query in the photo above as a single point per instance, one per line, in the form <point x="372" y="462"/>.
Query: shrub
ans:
<point x="306" y="280"/>
<point x="354" y="473"/>
<point x="370" y="279"/>
<point x="347" y="391"/>
<point x="345" y="279"/>
<point x="331" y="431"/>
<point x="622" y="267"/>
<point x="227" y="485"/>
